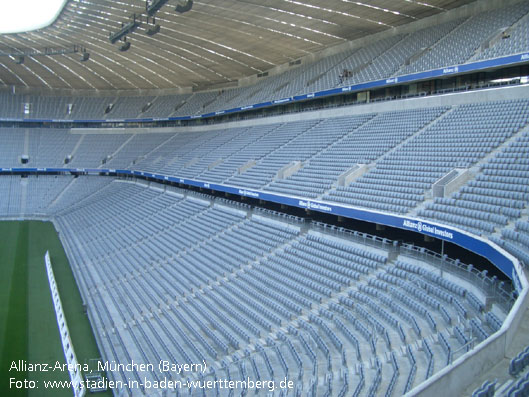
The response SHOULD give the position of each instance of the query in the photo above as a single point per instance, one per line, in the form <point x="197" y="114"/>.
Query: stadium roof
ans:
<point x="215" y="42"/>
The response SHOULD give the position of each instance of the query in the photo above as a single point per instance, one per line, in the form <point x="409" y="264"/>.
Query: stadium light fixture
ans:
<point x="153" y="30"/>
<point x="125" y="29"/>
<point x="152" y="7"/>
<point x="18" y="59"/>
<point x="184" y="6"/>
<point x="125" y="46"/>
<point x="85" y="56"/>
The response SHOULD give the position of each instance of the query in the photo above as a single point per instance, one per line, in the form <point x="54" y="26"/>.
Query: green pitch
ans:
<point x="28" y="327"/>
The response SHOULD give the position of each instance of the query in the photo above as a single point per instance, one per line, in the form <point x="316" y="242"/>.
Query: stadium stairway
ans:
<point x="26" y="141"/>
<point x="399" y="71"/>
<point x="405" y="68"/>
<point x="355" y="78"/>
<point x="68" y="186"/>
<point x="504" y="145"/>
<point x="198" y="245"/>
<point x="77" y="145"/>
<point x="111" y="155"/>
<point x="229" y="165"/>
<point x="165" y="142"/>
<point x="331" y="144"/>
<point x="315" y="80"/>
<point x="498" y="36"/>
<point x="23" y="195"/>
<point x="418" y="132"/>
<point x="500" y="372"/>
<point x="415" y="134"/>
<point x="475" y="170"/>
<point x="271" y="158"/>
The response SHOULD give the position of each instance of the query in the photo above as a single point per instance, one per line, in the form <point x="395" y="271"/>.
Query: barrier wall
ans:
<point x="473" y="243"/>
<point x="500" y="258"/>
<point x="454" y="379"/>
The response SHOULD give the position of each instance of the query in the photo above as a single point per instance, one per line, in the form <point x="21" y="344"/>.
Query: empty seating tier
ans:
<point x="170" y="276"/>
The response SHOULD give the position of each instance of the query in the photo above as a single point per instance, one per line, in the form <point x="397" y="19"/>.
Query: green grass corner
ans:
<point x="28" y="326"/>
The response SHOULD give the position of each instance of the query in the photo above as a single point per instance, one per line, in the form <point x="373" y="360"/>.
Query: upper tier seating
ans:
<point x="397" y="156"/>
<point x="368" y="140"/>
<point x="516" y="241"/>
<point x="450" y="43"/>
<point x="461" y="43"/>
<point x="465" y="135"/>
<point x="498" y="193"/>
<point x="513" y="41"/>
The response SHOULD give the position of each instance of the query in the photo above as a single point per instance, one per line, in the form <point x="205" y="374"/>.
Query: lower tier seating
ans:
<point x="176" y="276"/>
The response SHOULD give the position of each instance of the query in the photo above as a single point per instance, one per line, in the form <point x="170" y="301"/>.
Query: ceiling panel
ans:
<point x="217" y="41"/>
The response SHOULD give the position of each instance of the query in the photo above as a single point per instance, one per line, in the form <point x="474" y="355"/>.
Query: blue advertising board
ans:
<point x="461" y="238"/>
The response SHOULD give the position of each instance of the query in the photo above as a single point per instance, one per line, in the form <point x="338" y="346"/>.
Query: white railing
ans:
<point x="74" y="368"/>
